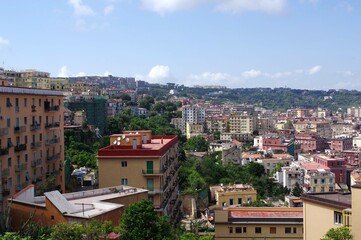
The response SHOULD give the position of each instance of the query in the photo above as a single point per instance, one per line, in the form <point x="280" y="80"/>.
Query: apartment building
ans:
<point x="31" y="138"/>
<point x="236" y="194"/>
<point x="340" y="144"/>
<point x="242" y="123"/>
<point x="194" y="129"/>
<point x="259" y="223"/>
<point x="138" y="159"/>
<point x="192" y="114"/>
<point x="310" y="142"/>
<point x="337" y="165"/>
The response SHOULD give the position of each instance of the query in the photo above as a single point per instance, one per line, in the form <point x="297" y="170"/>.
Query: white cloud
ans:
<point x="278" y="75"/>
<point x="64" y="72"/>
<point x="251" y="74"/>
<point x="108" y="9"/>
<point x="81" y="9"/>
<point x="4" y="42"/>
<point x="159" y="72"/>
<point x="164" y="6"/>
<point x="139" y="76"/>
<point x="269" y="6"/>
<point x="106" y="74"/>
<point x="314" y="70"/>
<point x="211" y="77"/>
<point x="81" y="74"/>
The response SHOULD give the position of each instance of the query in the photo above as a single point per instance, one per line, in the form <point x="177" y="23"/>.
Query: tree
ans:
<point x="139" y="221"/>
<point x="197" y="143"/>
<point x="340" y="233"/>
<point x="297" y="190"/>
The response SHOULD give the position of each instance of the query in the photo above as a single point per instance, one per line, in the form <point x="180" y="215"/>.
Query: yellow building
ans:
<point x="31" y="138"/>
<point x="236" y="194"/>
<point x="58" y="83"/>
<point x="323" y="211"/>
<point x="194" y="129"/>
<point x="258" y="223"/>
<point x="138" y="159"/>
<point x="33" y="79"/>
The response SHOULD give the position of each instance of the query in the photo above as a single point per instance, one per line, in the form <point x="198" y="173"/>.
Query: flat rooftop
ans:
<point x="29" y="91"/>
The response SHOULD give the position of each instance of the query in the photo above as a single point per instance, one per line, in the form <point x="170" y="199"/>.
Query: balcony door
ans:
<point x="150" y="184"/>
<point x="150" y="167"/>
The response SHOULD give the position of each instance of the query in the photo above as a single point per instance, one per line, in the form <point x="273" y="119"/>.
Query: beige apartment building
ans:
<point x="31" y="138"/>
<point x="138" y="159"/>
<point x="242" y="123"/>
<point x="236" y="194"/>
<point x="259" y="223"/>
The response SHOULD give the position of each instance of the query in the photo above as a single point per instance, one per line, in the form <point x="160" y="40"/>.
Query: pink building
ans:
<point x="310" y="142"/>
<point x="340" y="144"/>
<point x="337" y="165"/>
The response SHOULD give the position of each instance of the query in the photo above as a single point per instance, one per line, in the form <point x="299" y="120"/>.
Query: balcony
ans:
<point x="4" y="151"/>
<point x="51" y="158"/>
<point x="6" y="192"/>
<point x="5" y="172"/>
<point x="17" y="168"/>
<point x="19" y="129"/>
<point x="36" y="162"/>
<point x="54" y="140"/>
<point x="48" y="108"/>
<point x="34" y="126"/>
<point x="20" y="147"/>
<point x="52" y="125"/>
<point x="33" y="108"/>
<point x="4" y="131"/>
<point x="151" y="172"/>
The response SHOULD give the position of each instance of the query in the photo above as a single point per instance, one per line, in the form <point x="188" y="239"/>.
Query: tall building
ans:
<point x="138" y="159"/>
<point x="242" y="123"/>
<point x="192" y="114"/>
<point x="31" y="138"/>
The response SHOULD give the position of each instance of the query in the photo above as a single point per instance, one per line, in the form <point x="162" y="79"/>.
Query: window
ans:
<point x="238" y="230"/>
<point x="244" y="229"/>
<point x="330" y="189"/>
<point x="230" y="229"/>
<point x="239" y="200"/>
<point x="25" y="120"/>
<point x="258" y="230"/>
<point x="272" y="230"/>
<point x="338" y="217"/>
<point x="323" y="181"/>
<point x="124" y="181"/>
<point x="294" y="230"/>
<point x="9" y="162"/>
<point x="25" y="102"/>
<point x="315" y="181"/>
<point x="322" y="189"/>
<point x="287" y="230"/>
<point x="8" y="122"/>
<point x="231" y="201"/>
<point x="124" y="164"/>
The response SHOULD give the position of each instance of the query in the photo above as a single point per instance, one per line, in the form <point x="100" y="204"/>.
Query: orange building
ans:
<point x="138" y="159"/>
<point x="106" y="204"/>
<point x="31" y="138"/>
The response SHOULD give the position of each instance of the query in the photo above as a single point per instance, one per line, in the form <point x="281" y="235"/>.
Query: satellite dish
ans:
<point x="137" y="133"/>
<point x="127" y="139"/>
<point x="115" y="142"/>
<point x="118" y="143"/>
<point x="123" y="136"/>
<point x="118" y="138"/>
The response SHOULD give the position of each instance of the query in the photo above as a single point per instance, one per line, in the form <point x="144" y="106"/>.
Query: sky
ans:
<point x="303" y="44"/>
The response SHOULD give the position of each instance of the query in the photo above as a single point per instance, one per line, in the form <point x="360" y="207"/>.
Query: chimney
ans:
<point x="161" y="141"/>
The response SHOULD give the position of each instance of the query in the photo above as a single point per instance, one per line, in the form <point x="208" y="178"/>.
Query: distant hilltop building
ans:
<point x="210" y="86"/>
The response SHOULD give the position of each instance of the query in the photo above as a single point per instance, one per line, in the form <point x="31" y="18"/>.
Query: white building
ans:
<point x="192" y="114"/>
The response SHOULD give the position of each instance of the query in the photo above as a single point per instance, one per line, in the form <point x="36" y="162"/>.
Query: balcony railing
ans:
<point x="54" y="140"/>
<point x="4" y="131"/>
<point x="51" y="109"/>
<point x="51" y="158"/>
<point x="52" y="125"/>
<point x="5" y="172"/>
<point x="17" y="168"/>
<point x="19" y="129"/>
<point x="4" y="151"/>
<point x="20" y="147"/>
<point x="152" y="172"/>
<point x="6" y="192"/>
<point x="34" y="126"/>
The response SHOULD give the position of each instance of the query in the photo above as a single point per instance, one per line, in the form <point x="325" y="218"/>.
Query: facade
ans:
<point x="319" y="181"/>
<point x="242" y="123"/>
<point x="337" y="165"/>
<point x="141" y="160"/>
<point x="31" y="138"/>
<point x="194" y="129"/>
<point x="310" y="142"/>
<point x="259" y="223"/>
<point x="236" y="194"/>
<point x="192" y="114"/>
<point x="77" y="207"/>
<point x="340" y="144"/>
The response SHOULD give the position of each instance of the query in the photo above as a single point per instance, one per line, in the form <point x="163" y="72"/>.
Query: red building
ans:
<point x="310" y="142"/>
<point x="337" y="165"/>
<point x="340" y="144"/>
<point x="352" y="157"/>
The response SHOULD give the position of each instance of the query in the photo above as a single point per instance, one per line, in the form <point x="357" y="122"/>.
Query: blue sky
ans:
<point x="306" y="44"/>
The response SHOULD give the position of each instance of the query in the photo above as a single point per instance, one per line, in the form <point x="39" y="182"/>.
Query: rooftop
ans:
<point x="333" y="199"/>
<point x="29" y="91"/>
<point x="84" y="204"/>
